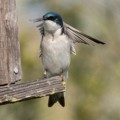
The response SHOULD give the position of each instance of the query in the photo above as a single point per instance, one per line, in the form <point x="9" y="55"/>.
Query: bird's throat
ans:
<point x="51" y="26"/>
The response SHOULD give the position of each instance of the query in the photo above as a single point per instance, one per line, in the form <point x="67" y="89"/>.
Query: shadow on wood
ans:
<point x="32" y="89"/>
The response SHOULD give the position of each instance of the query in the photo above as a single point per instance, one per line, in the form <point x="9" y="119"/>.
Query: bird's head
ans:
<point x="51" y="21"/>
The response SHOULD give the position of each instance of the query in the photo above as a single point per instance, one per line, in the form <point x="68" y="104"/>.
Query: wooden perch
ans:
<point x="32" y="89"/>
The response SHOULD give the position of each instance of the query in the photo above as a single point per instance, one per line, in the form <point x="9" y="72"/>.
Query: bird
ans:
<point x="57" y="44"/>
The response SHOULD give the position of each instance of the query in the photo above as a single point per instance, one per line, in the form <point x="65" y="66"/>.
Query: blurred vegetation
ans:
<point x="93" y="91"/>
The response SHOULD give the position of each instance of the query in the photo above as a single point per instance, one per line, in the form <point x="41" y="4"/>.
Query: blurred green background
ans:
<point x="93" y="89"/>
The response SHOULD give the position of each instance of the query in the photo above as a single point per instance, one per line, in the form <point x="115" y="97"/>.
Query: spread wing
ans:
<point x="77" y="36"/>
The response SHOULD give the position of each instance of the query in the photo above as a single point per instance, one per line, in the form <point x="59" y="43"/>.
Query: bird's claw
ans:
<point x="45" y="74"/>
<point x="63" y="81"/>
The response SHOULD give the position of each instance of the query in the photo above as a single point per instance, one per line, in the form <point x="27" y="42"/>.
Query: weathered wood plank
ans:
<point x="32" y="89"/>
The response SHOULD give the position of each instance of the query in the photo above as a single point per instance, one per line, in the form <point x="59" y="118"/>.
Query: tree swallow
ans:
<point x="57" y="45"/>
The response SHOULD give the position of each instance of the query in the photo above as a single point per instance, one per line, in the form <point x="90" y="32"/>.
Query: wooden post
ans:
<point x="10" y="65"/>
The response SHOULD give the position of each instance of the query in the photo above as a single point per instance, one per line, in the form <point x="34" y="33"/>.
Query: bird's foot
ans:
<point x="63" y="81"/>
<point x="45" y="74"/>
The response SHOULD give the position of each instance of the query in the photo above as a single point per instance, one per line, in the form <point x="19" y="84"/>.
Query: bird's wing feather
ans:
<point x="41" y="28"/>
<point x="77" y="36"/>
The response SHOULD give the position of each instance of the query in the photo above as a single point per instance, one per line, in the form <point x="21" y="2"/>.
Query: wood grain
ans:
<point x="32" y="89"/>
<point x="10" y="64"/>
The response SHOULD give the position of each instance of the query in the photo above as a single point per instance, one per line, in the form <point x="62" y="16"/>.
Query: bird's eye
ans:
<point x="51" y="18"/>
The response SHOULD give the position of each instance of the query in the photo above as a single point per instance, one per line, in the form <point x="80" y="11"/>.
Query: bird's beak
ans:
<point x="37" y="20"/>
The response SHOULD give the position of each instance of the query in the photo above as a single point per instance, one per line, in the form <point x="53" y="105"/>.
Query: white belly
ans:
<point x="56" y="54"/>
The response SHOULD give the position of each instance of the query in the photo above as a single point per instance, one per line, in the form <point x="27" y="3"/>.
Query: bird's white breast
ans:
<point x="55" y="52"/>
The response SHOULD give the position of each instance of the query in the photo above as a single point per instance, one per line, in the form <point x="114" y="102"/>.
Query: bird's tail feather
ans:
<point x="56" y="97"/>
